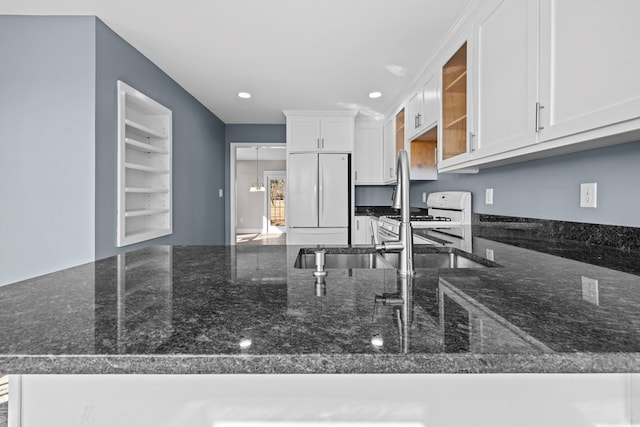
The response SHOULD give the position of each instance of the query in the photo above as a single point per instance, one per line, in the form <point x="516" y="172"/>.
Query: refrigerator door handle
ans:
<point x="321" y="195"/>
<point x="315" y="202"/>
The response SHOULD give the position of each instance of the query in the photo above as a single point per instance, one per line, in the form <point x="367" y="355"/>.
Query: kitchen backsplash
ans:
<point x="624" y="238"/>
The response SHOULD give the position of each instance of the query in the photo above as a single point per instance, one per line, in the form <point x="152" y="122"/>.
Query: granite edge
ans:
<point x="323" y="364"/>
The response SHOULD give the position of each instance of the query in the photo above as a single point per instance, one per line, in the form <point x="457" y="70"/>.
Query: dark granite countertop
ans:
<point x="385" y="210"/>
<point x="215" y="309"/>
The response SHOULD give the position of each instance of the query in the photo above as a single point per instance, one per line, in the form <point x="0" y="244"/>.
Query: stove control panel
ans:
<point x="458" y="200"/>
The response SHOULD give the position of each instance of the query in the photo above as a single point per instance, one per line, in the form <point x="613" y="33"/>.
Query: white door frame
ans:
<point x="232" y="181"/>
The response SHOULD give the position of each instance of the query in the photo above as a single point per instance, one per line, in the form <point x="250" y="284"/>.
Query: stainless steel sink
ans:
<point x="436" y="258"/>
<point x="342" y="260"/>
<point x="441" y="260"/>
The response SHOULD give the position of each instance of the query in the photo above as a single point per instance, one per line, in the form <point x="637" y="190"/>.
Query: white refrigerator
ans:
<point x="319" y="198"/>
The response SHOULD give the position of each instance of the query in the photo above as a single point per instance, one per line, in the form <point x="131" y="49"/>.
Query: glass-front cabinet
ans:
<point x="456" y="115"/>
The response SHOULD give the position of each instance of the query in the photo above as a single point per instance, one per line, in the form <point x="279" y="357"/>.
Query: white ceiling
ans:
<point x="289" y="54"/>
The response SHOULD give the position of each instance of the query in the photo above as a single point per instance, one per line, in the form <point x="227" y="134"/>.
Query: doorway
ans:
<point x="257" y="202"/>
<point x="275" y="203"/>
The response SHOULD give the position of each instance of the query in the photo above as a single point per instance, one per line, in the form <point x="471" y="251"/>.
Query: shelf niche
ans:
<point x="144" y="167"/>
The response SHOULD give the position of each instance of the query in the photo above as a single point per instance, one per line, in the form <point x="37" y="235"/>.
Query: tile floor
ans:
<point x="261" y="239"/>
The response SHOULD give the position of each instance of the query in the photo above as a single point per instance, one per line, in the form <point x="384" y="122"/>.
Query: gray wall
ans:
<point x="58" y="146"/>
<point x="198" y="149"/>
<point x="547" y="188"/>
<point x="246" y="133"/>
<point x="47" y="111"/>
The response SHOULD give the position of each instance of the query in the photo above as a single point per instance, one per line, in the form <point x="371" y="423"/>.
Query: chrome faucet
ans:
<point x="404" y="244"/>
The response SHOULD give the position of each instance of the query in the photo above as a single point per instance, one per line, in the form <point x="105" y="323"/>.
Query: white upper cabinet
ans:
<point x="430" y="103"/>
<point x="337" y="133"/>
<point x="423" y="108"/>
<point x="320" y="131"/>
<point x="505" y="35"/>
<point x="389" y="150"/>
<point x="368" y="153"/>
<point x="303" y="133"/>
<point x="420" y="137"/>
<point x="590" y="66"/>
<point x="548" y="77"/>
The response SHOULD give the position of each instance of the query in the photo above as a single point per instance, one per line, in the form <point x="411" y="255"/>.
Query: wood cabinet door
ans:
<point x="589" y="65"/>
<point x="506" y="76"/>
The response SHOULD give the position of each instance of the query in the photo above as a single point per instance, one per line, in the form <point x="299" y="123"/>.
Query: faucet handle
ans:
<point x="390" y="246"/>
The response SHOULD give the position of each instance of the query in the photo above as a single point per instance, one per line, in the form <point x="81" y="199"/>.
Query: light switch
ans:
<point x="220" y="192"/>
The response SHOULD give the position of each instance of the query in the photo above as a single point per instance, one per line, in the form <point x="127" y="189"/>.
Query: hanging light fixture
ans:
<point x="256" y="187"/>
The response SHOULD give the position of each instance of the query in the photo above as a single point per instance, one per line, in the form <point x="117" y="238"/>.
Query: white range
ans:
<point x="448" y="221"/>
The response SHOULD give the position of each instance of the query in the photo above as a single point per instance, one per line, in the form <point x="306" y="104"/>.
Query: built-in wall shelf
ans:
<point x="144" y="167"/>
<point x="144" y="212"/>
<point x="144" y="147"/>
<point x="145" y="190"/>
<point x="144" y="131"/>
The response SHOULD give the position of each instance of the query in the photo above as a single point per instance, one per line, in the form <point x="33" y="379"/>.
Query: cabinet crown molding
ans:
<point x="345" y="113"/>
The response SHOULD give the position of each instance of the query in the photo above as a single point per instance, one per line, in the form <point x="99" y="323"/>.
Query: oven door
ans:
<point x="386" y="235"/>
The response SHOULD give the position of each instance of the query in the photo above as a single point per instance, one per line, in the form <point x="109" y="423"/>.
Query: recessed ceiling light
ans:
<point x="374" y="95"/>
<point x="245" y="95"/>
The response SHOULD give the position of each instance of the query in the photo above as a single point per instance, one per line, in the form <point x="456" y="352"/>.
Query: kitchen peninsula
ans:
<point x="247" y="309"/>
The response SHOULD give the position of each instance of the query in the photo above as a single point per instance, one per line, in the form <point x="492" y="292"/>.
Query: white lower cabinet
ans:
<point x="635" y="400"/>
<point x="417" y="400"/>
<point x="361" y="230"/>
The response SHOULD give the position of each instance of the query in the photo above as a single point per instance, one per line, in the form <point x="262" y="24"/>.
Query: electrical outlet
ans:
<point x="488" y="196"/>
<point x="424" y="197"/>
<point x="489" y="254"/>
<point x="590" y="290"/>
<point x="589" y="195"/>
